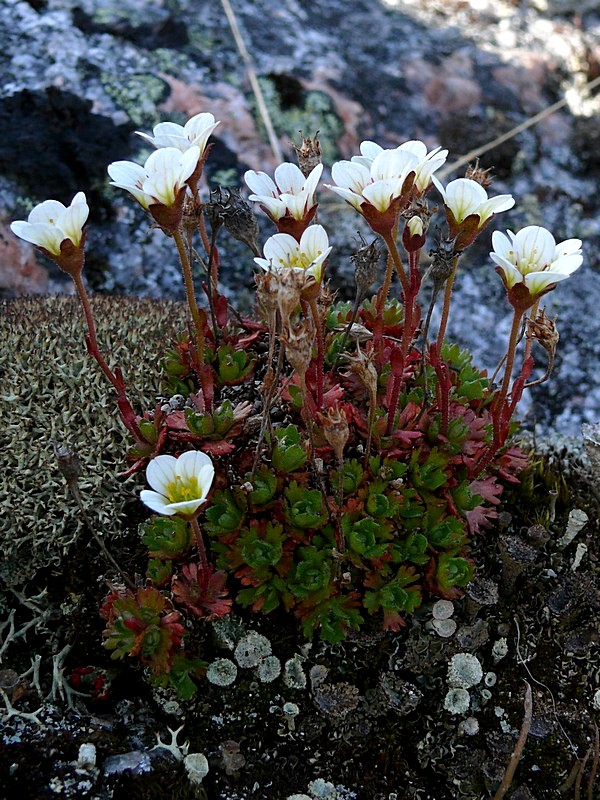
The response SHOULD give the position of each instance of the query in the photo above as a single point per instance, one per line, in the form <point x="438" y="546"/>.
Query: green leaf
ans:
<point x="413" y="548"/>
<point x="159" y="572"/>
<point x="262" y="551"/>
<point x="353" y="473"/>
<point x="223" y="515"/>
<point x="289" y="453"/>
<point x="264" y="486"/>
<point x="363" y="538"/>
<point x="166" y="537"/>
<point x="233" y="365"/>
<point x="305" y="508"/>
<point x="448" y="534"/>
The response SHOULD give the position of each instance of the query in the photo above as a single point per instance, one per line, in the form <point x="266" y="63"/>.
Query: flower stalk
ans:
<point x="198" y="317"/>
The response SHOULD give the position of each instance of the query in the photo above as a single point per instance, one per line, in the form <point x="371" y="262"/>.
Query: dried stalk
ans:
<point x="516" y="755"/>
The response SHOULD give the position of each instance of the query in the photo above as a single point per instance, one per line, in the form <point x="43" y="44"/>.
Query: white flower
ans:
<point x="532" y="257"/>
<point x="291" y="194"/>
<point x="51" y="223"/>
<point x="427" y="162"/>
<point x="180" y="484"/>
<point x="464" y="197"/>
<point x="283" y="252"/>
<point x="377" y="182"/>
<point x="160" y="180"/>
<point x="195" y="133"/>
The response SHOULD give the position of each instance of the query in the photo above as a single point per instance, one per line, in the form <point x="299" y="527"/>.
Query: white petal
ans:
<point x="41" y="234"/>
<point x="262" y="262"/>
<point x="381" y="193"/>
<point x="494" y="205"/>
<point x="354" y="199"/>
<point x="73" y="220"/>
<point x="198" y="129"/>
<point x="161" y="472"/>
<point x="259" y="183"/>
<point x="416" y="147"/>
<point x="536" y="282"/>
<point x="289" y="178"/>
<point x="349" y="175"/>
<point x="156" y="502"/>
<point x="503" y="246"/>
<point x="312" y="181"/>
<point x="126" y="174"/>
<point x="274" y="205"/>
<point x="393" y="164"/>
<point x="511" y="273"/>
<point x="363" y="161"/>
<point x="464" y="197"/>
<point x="189" y="162"/>
<point x="190" y="463"/>
<point x="46" y="212"/>
<point x="568" y="247"/>
<point x="566" y="264"/>
<point x="280" y="249"/>
<point x="167" y="134"/>
<point x="535" y="244"/>
<point x="370" y="150"/>
<point x="438" y="185"/>
<point x="314" y="241"/>
<point x="184" y="507"/>
<point x="161" y="188"/>
<point x="294" y="204"/>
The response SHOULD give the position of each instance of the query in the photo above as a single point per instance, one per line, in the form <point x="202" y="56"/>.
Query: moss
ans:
<point x="54" y="392"/>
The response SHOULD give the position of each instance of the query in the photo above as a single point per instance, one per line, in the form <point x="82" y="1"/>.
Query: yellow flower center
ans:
<point x="179" y="491"/>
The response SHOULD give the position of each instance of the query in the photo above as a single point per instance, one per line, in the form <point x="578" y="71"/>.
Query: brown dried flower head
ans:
<point x="544" y="330"/>
<point x="484" y="177"/>
<point x="298" y="340"/>
<point x="308" y="153"/>
<point x="335" y="429"/>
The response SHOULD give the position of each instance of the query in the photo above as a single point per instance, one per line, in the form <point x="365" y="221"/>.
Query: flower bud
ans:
<point x="413" y="237"/>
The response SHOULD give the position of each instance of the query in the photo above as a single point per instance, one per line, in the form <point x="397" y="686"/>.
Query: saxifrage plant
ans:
<point x="389" y="450"/>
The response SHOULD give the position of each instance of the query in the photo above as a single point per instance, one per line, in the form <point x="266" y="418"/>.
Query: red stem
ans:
<point x="320" y="351"/>
<point x="200" y="545"/>
<point x="92" y="339"/>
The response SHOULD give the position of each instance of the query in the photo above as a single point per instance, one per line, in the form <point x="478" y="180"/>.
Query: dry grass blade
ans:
<point x="260" y="100"/>
<point x="516" y="755"/>
<point x="478" y="151"/>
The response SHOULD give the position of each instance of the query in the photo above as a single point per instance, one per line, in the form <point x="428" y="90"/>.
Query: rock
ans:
<point x="78" y="77"/>
<point x="20" y="272"/>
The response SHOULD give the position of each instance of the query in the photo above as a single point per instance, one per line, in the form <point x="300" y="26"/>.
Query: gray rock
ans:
<point x="78" y="77"/>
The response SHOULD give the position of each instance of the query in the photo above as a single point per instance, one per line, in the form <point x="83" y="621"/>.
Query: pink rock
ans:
<point x="20" y="273"/>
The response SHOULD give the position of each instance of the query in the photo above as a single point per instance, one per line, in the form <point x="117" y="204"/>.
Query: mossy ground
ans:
<point x="359" y="728"/>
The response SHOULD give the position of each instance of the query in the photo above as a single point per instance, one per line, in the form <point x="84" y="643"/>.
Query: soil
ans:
<point x="370" y="721"/>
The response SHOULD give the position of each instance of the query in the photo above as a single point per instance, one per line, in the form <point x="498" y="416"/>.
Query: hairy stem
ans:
<point x="92" y="339"/>
<point x="200" y="545"/>
<point x="320" y="350"/>
<point x="191" y="296"/>
<point x="446" y="307"/>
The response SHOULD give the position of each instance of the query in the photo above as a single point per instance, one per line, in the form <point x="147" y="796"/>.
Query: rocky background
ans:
<point x="78" y="77"/>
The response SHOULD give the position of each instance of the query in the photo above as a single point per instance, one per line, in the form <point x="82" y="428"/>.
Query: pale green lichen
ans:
<point x="54" y="392"/>
<point x="137" y="94"/>
<point x="314" y="112"/>
<point x="222" y="672"/>
<point x="252" y="649"/>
